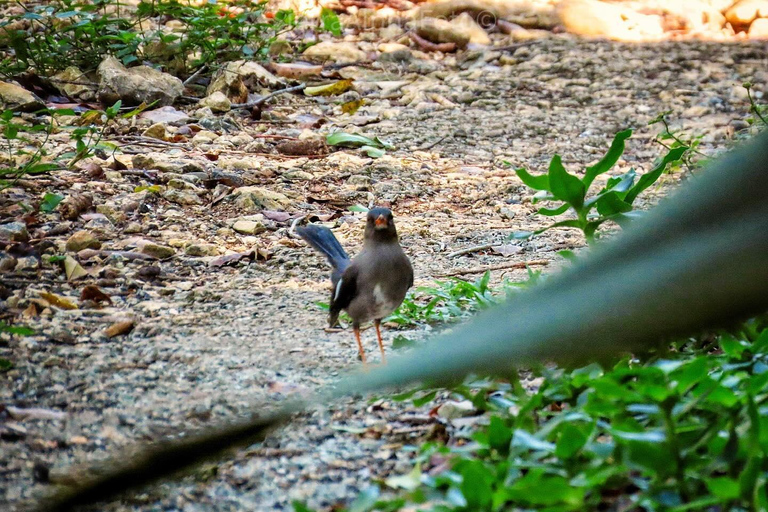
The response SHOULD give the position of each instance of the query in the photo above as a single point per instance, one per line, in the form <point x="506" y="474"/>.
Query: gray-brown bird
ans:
<point x="373" y="284"/>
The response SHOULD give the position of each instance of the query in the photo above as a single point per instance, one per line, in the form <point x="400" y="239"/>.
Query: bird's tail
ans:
<point x="322" y="239"/>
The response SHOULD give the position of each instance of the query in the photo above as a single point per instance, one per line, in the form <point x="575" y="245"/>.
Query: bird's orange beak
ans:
<point x="380" y="222"/>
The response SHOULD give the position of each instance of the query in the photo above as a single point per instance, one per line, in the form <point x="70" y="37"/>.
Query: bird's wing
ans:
<point x="345" y="289"/>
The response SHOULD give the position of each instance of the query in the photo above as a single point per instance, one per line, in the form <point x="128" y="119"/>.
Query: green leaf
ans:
<point x="499" y="435"/>
<point x="723" y="487"/>
<point x="366" y="500"/>
<point x="372" y="151"/>
<point x="565" y="187"/>
<point x="286" y="16"/>
<point x="535" y="182"/>
<point x="572" y="439"/>
<point x="358" y="208"/>
<point x="19" y="331"/>
<point x="401" y="341"/>
<point x="41" y="168"/>
<point x="649" y="178"/>
<point x="523" y="439"/>
<point x="611" y="204"/>
<point x="114" y="109"/>
<point x="353" y="140"/>
<point x="330" y="22"/>
<point x="476" y="484"/>
<point x="554" y="211"/>
<point x="610" y="158"/>
<point x="537" y="488"/>
<point x="50" y="202"/>
<point x="5" y="365"/>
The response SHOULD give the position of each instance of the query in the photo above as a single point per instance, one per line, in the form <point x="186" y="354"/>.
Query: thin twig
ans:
<point x="470" y="250"/>
<point x="500" y="266"/>
<point x="196" y="74"/>
<point x="430" y="146"/>
<point x="261" y="101"/>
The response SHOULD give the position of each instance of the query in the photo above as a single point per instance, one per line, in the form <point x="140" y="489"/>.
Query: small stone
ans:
<point x="440" y="31"/>
<point x="27" y="263"/>
<point x="82" y="240"/>
<point x="182" y="196"/>
<point x="204" y="137"/>
<point x="744" y="12"/>
<point x="133" y="227"/>
<point x="14" y="232"/>
<point x="359" y="182"/>
<point x="507" y="213"/>
<point x="217" y="102"/>
<point x="296" y="175"/>
<point x="466" y="25"/>
<point x="201" y="250"/>
<point x="739" y="124"/>
<point x="248" y="227"/>
<point x="342" y="52"/>
<point x="259" y="198"/>
<point x="7" y="263"/>
<point x="143" y="162"/>
<point x="158" y="251"/>
<point x="156" y="131"/>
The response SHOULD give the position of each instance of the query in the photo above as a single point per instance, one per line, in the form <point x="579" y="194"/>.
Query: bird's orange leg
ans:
<point x="377" y="324"/>
<point x="360" y="344"/>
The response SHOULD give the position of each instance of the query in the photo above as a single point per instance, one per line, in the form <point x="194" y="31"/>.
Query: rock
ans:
<point x="759" y="29"/>
<point x="156" y="131"/>
<point x="166" y="115"/>
<point x="82" y="240"/>
<point x="133" y="227"/>
<point x="440" y="31"/>
<point x="359" y="182"/>
<point x="248" y="227"/>
<point x="204" y="137"/>
<point x="396" y="56"/>
<point x="14" y="232"/>
<point x="342" y="52"/>
<point x="14" y="97"/>
<point x="217" y="102"/>
<point x="296" y="175"/>
<point x="182" y="196"/>
<point x="158" y="251"/>
<point x="391" y="32"/>
<point x="238" y="77"/>
<point x="64" y="82"/>
<point x="592" y="18"/>
<point x="7" y="263"/>
<point x="27" y="263"/>
<point x="201" y="249"/>
<point x="528" y="13"/>
<point x="141" y="84"/>
<point x="742" y="13"/>
<point x="465" y="24"/>
<point x="259" y="198"/>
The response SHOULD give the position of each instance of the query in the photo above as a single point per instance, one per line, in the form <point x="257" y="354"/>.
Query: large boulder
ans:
<point x="14" y="97"/>
<point x="134" y="86"/>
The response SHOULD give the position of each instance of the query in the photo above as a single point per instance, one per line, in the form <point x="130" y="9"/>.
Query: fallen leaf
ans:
<point x="118" y="328"/>
<point x="34" y="413"/>
<point x="73" y="269"/>
<point x="30" y="312"/>
<point x="333" y="89"/>
<point x="93" y="293"/>
<point x="59" y="302"/>
<point x="229" y="259"/>
<point x="353" y="106"/>
<point x="507" y="250"/>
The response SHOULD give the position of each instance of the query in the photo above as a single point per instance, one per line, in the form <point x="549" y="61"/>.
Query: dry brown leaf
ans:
<point x="57" y="301"/>
<point x="71" y="207"/>
<point x="30" y="312"/>
<point x="507" y="250"/>
<point x="93" y="293"/>
<point x="73" y="269"/>
<point x="118" y="328"/>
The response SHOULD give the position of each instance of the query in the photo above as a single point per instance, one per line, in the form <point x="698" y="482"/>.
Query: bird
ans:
<point x="373" y="284"/>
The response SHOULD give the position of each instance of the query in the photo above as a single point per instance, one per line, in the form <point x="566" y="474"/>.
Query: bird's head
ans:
<point x="380" y="225"/>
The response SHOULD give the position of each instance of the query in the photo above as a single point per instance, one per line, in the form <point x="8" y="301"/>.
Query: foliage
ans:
<point x="760" y="111"/>
<point x="685" y="430"/>
<point x="449" y="301"/>
<point x="672" y="140"/>
<point x="614" y="202"/>
<point x="78" y="33"/>
<point x="22" y="161"/>
<point x="373" y="147"/>
<point x="330" y="22"/>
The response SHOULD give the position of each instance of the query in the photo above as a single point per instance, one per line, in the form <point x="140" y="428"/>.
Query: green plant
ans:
<point x="78" y="33"/>
<point x="691" y="158"/>
<point x="760" y="111"/>
<point x="330" y="21"/>
<point x="614" y="202"/>
<point x="21" y="161"/>
<point x="681" y="430"/>
<point x="373" y="147"/>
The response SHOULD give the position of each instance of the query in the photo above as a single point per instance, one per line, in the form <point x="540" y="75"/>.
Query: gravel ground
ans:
<point x="210" y="341"/>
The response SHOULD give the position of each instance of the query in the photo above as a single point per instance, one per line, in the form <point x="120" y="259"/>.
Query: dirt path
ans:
<point x="211" y="340"/>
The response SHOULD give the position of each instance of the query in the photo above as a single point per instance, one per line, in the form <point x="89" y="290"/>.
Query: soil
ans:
<point x="211" y="341"/>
